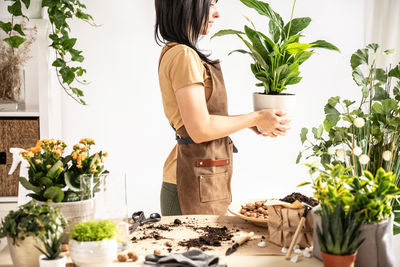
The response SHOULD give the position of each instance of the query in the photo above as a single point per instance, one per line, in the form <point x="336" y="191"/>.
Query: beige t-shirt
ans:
<point x="180" y="66"/>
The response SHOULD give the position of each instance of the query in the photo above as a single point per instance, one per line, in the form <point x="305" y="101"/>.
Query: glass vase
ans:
<point x="12" y="89"/>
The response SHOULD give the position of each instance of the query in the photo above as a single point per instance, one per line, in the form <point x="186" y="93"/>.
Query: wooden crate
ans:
<point x="22" y="132"/>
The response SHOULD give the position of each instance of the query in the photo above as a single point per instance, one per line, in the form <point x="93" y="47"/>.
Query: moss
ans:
<point x="94" y="231"/>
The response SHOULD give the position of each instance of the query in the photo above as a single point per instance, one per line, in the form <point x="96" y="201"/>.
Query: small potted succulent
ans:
<point x="25" y="227"/>
<point x="51" y="241"/>
<point x="276" y="58"/>
<point x="339" y="237"/>
<point x="93" y="243"/>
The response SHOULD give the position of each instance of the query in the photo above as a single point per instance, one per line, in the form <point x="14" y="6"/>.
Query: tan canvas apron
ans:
<point x="204" y="170"/>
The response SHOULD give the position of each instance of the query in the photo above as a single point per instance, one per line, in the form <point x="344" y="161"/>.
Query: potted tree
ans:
<point x="339" y="238"/>
<point x="61" y="180"/>
<point x="276" y="58"/>
<point x="25" y="227"/>
<point x="93" y="243"/>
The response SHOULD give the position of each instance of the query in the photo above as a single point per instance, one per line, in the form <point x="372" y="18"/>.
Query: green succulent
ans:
<point x="94" y="231"/>
<point x="340" y="234"/>
<point x="276" y="58"/>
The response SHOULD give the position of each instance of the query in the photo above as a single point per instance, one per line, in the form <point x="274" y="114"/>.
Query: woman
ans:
<point x="197" y="173"/>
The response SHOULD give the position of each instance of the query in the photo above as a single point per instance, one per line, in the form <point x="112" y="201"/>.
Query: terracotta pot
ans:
<point x="338" y="260"/>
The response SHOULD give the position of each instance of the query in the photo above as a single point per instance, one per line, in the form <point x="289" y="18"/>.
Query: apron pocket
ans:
<point x="214" y="187"/>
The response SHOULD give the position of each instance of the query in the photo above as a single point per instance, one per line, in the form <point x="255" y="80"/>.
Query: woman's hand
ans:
<point x="273" y="122"/>
<point x="255" y="129"/>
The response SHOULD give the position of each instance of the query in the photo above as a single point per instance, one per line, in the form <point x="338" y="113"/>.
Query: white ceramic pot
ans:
<point x="286" y="102"/>
<point x="93" y="254"/>
<point x="25" y="254"/>
<point x="60" y="262"/>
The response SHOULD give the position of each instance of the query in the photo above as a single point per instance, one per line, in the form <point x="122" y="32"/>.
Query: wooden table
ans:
<point x="247" y="255"/>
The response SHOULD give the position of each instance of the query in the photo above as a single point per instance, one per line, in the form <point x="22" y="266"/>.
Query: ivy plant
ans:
<point x="276" y="58"/>
<point x="68" y="57"/>
<point x="15" y="34"/>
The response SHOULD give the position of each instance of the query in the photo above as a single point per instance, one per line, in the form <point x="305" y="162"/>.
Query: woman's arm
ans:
<point x="203" y="127"/>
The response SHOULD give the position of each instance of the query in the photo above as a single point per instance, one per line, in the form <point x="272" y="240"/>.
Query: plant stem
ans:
<point x="391" y="156"/>
<point x="291" y="17"/>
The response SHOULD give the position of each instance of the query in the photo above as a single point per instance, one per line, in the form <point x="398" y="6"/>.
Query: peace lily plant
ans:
<point x="276" y="58"/>
<point x="364" y="136"/>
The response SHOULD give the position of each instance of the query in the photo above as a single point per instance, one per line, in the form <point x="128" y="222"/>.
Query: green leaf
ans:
<point x="395" y="72"/>
<point x="332" y="114"/>
<point x="67" y="75"/>
<point x="396" y="229"/>
<point x="55" y="170"/>
<point x="257" y="44"/>
<point x="389" y="51"/>
<point x="6" y="27"/>
<point x="45" y="181"/>
<point x="54" y="193"/>
<point x="69" y="43"/>
<point x="14" y="41"/>
<point x="303" y="184"/>
<point x="380" y="94"/>
<point x="298" y="158"/>
<point x="27" y="3"/>
<point x="377" y="108"/>
<point x="295" y="48"/>
<point x="324" y="44"/>
<point x="303" y="135"/>
<point x="373" y="47"/>
<point x="274" y="31"/>
<point x="298" y="24"/>
<point x="24" y="182"/>
<point x="58" y="63"/>
<point x="264" y="9"/>
<point x="72" y="182"/>
<point x="358" y="76"/>
<point x="365" y="91"/>
<point x="389" y="105"/>
<point x="239" y="51"/>
<point x="327" y="125"/>
<point x="302" y="57"/>
<point x="15" y="9"/>
<point x="293" y="80"/>
<point x="18" y="28"/>
<point x="380" y="75"/>
<point x="226" y="32"/>
<point x="359" y="57"/>
<point x="333" y="101"/>
<point x="77" y="91"/>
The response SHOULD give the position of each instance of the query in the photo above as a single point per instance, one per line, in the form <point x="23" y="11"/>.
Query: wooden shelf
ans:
<point x="27" y="112"/>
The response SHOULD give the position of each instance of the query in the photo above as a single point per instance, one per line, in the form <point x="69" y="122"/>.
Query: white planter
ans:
<point x="286" y="102"/>
<point x="25" y="254"/>
<point x="60" y="262"/>
<point x="377" y="248"/>
<point x="93" y="254"/>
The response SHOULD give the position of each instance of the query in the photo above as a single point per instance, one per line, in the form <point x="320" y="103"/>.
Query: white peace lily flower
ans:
<point x="364" y="159"/>
<point x="357" y="151"/>
<point x="387" y="155"/>
<point x="341" y="153"/>
<point x="331" y="150"/>
<point x="359" y="122"/>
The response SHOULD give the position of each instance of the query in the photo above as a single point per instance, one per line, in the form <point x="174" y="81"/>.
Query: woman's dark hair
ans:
<point x="181" y="21"/>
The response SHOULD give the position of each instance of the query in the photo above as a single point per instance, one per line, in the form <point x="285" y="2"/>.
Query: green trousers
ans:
<point x="169" y="200"/>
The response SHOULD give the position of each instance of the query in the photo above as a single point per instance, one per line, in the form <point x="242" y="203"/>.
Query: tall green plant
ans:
<point x="276" y="58"/>
<point x="362" y="134"/>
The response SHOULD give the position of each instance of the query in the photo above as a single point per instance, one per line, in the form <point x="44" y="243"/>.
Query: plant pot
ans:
<point x="25" y="254"/>
<point x="60" y="262"/>
<point x="93" y="254"/>
<point x="286" y="102"/>
<point x="377" y="248"/>
<point x="338" y="260"/>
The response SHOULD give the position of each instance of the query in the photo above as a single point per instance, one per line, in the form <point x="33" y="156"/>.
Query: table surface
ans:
<point x="239" y="259"/>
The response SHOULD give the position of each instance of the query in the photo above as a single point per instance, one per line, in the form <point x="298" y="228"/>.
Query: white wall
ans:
<point x="125" y="113"/>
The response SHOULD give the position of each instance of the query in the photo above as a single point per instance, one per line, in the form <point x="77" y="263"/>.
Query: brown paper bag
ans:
<point x="282" y="224"/>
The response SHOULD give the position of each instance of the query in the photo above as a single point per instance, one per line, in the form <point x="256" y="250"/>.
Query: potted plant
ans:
<point x="370" y="197"/>
<point x="24" y="228"/>
<point x="339" y="238"/>
<point x="276" y="58"/>
<point x="68" y="58"/>
<point x="93" y="243"/>
<point x="55" y="178"/>
<point x="14" y="53"/>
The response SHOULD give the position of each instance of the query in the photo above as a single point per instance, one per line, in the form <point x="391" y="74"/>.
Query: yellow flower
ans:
<point x="79" y="166"/>
<point x="48" y="166"/>
<point x="39" y="143"/>
<point x="38" y="161"/>
<point x="82" y="156"/>
<point x="105" y="154"/>
<point x="75" y="155"/>
<point x="30" y="154"/>
<point x="94" y="171"/>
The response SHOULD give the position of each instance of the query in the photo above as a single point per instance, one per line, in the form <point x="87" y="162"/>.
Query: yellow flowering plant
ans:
<point x="46" y="170"/>
<point x="55" y="177"/>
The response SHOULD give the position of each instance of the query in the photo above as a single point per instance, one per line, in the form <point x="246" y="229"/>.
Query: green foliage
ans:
<point x="14" y="30"/>
<point x="68" y="58"/>
<point x="31" y="219"/>
<point x="369" y="196"/>
<point x="340" y="234"/>
<point x="94" y="231"/>
<point x="276" y="58"/>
